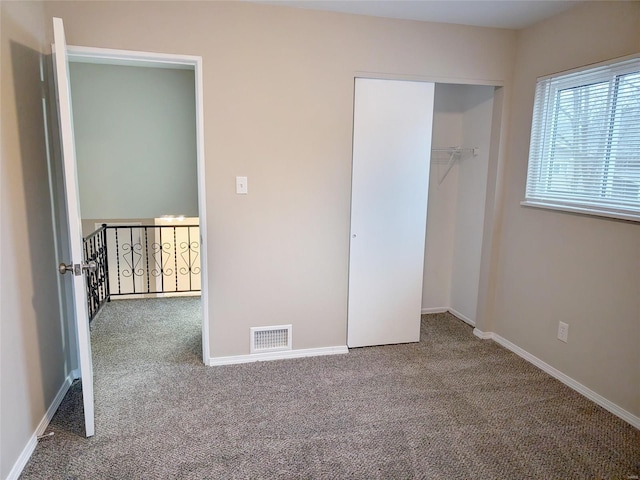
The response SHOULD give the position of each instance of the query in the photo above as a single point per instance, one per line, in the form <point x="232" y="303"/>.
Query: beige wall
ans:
<point x="33" y="365"/>
<point x="278" y="90"/>
<point x="581" y="270"/>
<point x="278" y="93"/>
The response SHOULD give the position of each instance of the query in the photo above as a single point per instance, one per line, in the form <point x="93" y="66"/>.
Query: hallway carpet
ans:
<point x="451" y="406"/>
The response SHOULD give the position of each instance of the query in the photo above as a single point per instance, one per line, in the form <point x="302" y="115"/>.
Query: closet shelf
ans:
<point x="455" y="153"/>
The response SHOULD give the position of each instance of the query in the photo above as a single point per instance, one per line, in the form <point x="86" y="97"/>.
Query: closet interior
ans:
<point x="457" y="190"/>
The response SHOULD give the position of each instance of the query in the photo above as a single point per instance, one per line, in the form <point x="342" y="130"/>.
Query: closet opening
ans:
<point x="458" y="189"/>
<point x="424" y="190"/>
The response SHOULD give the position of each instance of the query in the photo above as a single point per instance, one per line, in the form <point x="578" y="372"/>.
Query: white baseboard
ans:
<point x="27" y="451"/>
<point x="434" y="310"/>
<point x="24" y="457"/>
<point x="262" y="357"/>
<point x="453" y="312"/>
<point x="618" y="411"/>
<point x="462" y="317"/>
<point x="482" y="335"/>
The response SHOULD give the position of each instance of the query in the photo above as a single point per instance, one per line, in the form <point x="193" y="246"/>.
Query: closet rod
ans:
<point x="473" y="150"/>
<point x="455" y="153"/>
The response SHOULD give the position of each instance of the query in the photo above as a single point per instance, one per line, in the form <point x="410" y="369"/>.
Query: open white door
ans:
<point x="76" y="266"/>
<point x="391" y="155"/>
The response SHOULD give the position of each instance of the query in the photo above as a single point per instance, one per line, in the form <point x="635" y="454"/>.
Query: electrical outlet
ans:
<point x="563" y="332"/>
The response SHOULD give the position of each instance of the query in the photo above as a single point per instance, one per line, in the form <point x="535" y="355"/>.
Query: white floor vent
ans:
<point x="270" y="339"/>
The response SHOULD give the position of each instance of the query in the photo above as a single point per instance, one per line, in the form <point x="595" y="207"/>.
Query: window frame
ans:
<point x="543" y="131"/>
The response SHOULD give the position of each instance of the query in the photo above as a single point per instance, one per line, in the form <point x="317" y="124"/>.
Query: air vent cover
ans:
<point x="270" y="339"/>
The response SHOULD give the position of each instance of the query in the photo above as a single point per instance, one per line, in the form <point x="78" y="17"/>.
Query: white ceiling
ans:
<point x="514" y="14"/>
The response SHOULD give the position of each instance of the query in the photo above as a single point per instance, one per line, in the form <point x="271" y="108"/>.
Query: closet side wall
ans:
<point x="471" y="192"/>
<point x="455" y="220"/>
<point x="447" y="131"/>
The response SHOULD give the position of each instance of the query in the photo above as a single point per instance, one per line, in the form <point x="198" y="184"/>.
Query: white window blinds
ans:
<point x="585" y="141"/>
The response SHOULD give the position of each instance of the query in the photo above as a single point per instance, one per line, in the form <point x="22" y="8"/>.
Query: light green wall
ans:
<point x="135" y="140"/>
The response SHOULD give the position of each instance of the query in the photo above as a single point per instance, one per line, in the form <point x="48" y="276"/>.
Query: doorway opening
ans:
<point x="74" y="294"/>
<point x="138" y="134"/>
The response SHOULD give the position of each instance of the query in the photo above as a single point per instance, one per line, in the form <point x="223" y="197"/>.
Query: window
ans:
<point x="585" y="141"/>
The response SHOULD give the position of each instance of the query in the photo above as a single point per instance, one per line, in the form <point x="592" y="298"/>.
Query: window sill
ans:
<point x="619" y="215"/>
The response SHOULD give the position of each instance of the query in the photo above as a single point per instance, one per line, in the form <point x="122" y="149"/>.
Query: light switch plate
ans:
<point x="241" y="186"/>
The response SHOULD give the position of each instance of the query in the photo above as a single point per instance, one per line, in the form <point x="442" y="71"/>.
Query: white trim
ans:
<point x="608" y="405"/>
<point x="462" y="317"/>
<point x="169" y="60"/>
<point x="261" y="357"/>
<point x="29" y="448"/>
<point x="431" y="78"/>
<point x="55" y="404"/>
<point x="594" y="212"/>
<point x="24" y="457"/>
<point x="132" y="58"/>
<point x="426" y="311"/>
<point x="590" y="66"/>
<point x="455" y="313"/>
<point x="482" y="335"/>
<point x="202" y="206"/>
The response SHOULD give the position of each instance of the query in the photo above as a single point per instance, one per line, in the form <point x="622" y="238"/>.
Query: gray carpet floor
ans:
<point x="451" y="406"/>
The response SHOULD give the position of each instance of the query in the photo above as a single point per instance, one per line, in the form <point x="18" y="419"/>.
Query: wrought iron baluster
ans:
<point x="189" y="248"/>
<point x="161" y="261"/>
<point x="175" y="256"/>
<point x="85" y="248"/>
<point x="133" y="268"/>
<point x="105" y="260"/>
<point x="146" y="254"/>
<point x="96" y="275"/>
<point x="118" y="261"/>
<point x="91" y="276"/>
<point x="96" y="249"/>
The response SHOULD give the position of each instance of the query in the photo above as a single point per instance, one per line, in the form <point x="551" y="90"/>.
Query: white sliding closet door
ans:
<point x="391" y="154"/>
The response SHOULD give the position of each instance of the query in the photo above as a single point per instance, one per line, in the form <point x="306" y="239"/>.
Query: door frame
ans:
<point x="185" y="62"/>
